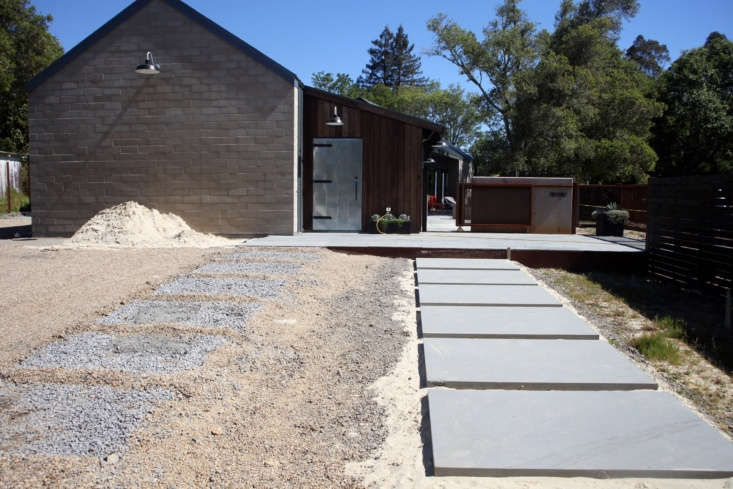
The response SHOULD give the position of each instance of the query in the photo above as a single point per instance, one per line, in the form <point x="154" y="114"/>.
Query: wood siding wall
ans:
<point x="690" y="231"/>
<point x="392" y="158"/>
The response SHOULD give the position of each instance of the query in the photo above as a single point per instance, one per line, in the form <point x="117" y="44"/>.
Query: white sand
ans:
<point x="131" y="225"/>
<point x="399" y="464"/>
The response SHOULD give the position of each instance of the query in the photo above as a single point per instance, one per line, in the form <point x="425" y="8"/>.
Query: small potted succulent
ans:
<point x="610" y="220"/>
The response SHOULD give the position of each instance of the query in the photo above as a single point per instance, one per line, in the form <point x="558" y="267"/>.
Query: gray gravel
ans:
<point x="150" y="353"/>
<point x="244" y="253"/>
<point x="212" y="314"/>
<point x="228" y="286"/>
<point x="250" y="267"/>
<point x="58" y="419"/>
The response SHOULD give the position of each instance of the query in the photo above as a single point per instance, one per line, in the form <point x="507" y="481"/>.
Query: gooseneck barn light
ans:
<point x="440" y="144"/>
<point x="335" y="119"/>
<point x="149" y="67"/>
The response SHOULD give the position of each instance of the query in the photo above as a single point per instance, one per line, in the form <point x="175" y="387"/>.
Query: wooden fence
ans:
<point x="690" y="231"/>
<point x="633" y="198"/>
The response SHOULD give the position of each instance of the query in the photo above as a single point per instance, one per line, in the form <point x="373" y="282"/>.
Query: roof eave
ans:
<point x="375" y="109"/>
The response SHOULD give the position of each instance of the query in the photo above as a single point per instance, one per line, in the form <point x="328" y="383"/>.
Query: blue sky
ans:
<point x="331" y="35"/>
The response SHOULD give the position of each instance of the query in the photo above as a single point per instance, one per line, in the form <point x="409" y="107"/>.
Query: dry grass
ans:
<point x="677" y="333"/>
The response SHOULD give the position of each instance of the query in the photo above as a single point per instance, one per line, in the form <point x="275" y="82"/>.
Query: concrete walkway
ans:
<point x="447" y="240"/>
<point x="529" y="389"/>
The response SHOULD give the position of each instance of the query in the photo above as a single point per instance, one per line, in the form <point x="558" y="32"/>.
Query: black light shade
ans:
<point x="148" y="67"/>
<point x="335" y="119"/>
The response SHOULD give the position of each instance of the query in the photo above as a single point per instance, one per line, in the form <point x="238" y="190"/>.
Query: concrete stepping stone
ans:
<point x="485" y="295"/>
<point x="572" y="434"/>
<point x="210" y="314"/>
<point x="466" y="264"/>
<point x="149" y="353"/>
<point x="474" y="277"/>
<point x="503" y="322"/>
<point x="530" y="364"/>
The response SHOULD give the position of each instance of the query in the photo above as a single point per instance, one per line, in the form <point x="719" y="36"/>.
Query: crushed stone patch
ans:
<point x="211" y="314"/>
<point x="250" y="267"/>
<point x="58" y="419"/>
<point x="149" y="353"/>
<point x="244" y="253"/>
<point x="250" y="287"/>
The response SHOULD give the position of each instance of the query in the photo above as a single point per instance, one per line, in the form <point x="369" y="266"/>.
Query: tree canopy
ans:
<point x="392" y="62"/>
<point x="26" y="48"/>
<point x="650" y="55"/>
<point x="695" y="133"/>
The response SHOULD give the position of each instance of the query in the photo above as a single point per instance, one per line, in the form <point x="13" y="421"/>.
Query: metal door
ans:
<point x="337" y="184"/>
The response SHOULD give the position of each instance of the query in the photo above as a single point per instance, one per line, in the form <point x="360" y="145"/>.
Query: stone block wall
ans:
<point x="210" y="138"/>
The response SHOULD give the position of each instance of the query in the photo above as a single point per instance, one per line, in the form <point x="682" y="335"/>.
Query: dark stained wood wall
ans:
<point x="393" y="153"/>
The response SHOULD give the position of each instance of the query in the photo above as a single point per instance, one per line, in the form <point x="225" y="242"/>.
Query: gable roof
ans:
<point x="189" y="12"/>
<point x="367" y="106"/>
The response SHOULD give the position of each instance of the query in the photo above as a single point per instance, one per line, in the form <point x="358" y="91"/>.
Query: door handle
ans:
<point x="356" y="187"/>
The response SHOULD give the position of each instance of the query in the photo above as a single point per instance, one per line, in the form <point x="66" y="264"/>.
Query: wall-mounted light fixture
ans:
<point x="440" y="144"/>
<point x="429" y="161"/>
<point x="335" y="120"/>
<point x="149" y="67"/>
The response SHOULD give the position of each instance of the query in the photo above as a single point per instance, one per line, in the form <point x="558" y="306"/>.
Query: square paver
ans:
<point x="466" y="264"/>
<point x="486" y="295"/>
<point x="503" y="322"/>
<point x="470" y="363"/>
<point x="474" y="277"/>
<point x="150" y="353"/>
<point x="572" y="434"/>
<point x="249" y="287"/>
<point x="72" y="420"/>
<point x="210" y="314"/>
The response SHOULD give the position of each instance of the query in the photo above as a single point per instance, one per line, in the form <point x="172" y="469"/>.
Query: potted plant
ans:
<point x="610" y="220"/>
<point x="389" y="224"/>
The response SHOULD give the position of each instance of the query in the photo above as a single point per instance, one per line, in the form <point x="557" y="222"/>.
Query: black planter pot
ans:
<point x="606" y="227"/>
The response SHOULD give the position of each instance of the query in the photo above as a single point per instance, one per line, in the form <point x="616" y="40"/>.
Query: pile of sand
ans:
<point x="134" y="225"/>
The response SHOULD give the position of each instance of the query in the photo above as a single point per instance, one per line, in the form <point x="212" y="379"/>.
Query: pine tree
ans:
<point x="392" y="62"/>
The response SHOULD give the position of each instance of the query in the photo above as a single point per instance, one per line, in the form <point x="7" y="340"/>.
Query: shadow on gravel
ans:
<point x="427" y="442"/>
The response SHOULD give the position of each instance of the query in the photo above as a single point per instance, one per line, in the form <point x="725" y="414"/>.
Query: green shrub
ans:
<point x="657" y="346"/>
<point x="19" y="202"/>
<point x="671" y="327"/>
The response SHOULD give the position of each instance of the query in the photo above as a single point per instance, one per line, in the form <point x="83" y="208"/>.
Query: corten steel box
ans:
<point x="522" y="204"/>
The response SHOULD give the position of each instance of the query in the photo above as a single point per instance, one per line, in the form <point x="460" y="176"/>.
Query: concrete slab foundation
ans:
<point x="530" y="364"/>
<point x="465" y="264"/>
<point x="572" y="434"/>
<point x="503" y="322"/>
<point x="474" y="277"/>
<point x="486" y="295"/>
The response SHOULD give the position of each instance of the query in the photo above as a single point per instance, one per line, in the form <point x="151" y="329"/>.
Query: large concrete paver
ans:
<point x="485" y="295"/>
<point x="471" y="363"/>
<point x="474" y="277"/>
<point x="466" y="264"/>
<point x="559" y="433"/>
<point x="503" y="322"/>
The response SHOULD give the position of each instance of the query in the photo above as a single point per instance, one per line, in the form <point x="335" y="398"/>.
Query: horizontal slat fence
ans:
<point x="690" y="231"/>
<point x="633" y="198"/>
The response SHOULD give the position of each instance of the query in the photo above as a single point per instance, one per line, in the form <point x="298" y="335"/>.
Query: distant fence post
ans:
<point x="9" y="186"/>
